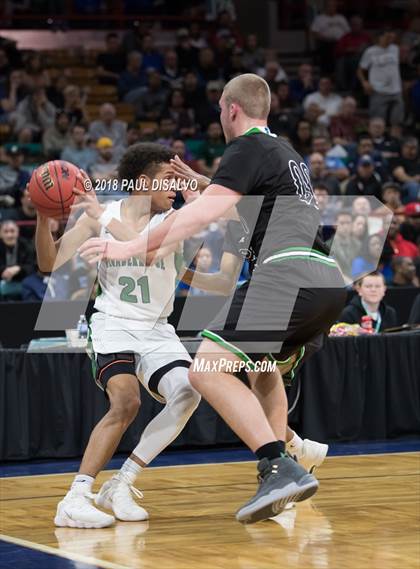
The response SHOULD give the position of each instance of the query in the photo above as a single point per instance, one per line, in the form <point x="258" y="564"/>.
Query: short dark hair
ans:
<point x="143" y="158"/>
<point x="346" y="212"/>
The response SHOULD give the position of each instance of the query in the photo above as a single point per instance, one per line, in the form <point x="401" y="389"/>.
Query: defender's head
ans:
<point x="145" y="169"/>
<point x="245" y="101"/>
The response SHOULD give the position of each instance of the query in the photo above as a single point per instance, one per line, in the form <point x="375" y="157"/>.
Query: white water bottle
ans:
<point x="82" y="327"/>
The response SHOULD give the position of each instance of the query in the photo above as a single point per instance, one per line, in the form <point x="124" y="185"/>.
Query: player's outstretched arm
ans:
<point x="223" y="282"/>
<point x="215" y="201"/>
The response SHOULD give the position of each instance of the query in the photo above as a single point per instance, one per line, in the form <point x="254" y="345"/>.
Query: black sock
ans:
<point x="271" y="450"/>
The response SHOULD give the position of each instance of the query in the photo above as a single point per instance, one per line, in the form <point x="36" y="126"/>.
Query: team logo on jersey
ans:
<point x="302" y="180"/>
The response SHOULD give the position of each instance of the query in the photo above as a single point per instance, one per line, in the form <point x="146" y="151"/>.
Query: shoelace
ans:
<point x="133" y="489"/>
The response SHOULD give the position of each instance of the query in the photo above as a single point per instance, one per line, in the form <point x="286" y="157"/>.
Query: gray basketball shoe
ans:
<point x="282" y="480"/>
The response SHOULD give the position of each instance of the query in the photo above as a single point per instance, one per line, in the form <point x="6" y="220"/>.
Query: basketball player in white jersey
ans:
<point x="130" y="337"/>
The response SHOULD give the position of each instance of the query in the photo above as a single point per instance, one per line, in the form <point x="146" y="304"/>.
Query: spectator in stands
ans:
<point x="111" y="62"/>
<point x="302" y="137"/>
<point x="132" y="40"/>
<point x="327" y="209"/>
<point x="382" y="143"/>
<point x="167" y="131"/>
<point x="212" y="147"/>
<point x="33" y="114"/>
<point x="77" y="151"/>
<point x="278" y="119"/>
<point x="383" y="80"/>
<point x="207" y="68"/>
<point x="106" y="164"/>
<point x="194" y="93"/>
<point x="235" y="65"/>
<point x="108" y="126"/>
<point x="152" y="59"/>
<point x="133" y="76"/>
<point x="171" y="72"/>
<point x="133" y="134"/>
<point x="327" y="102"/>
<point x="415" y="94"/>
<point x="365" y="147"/>
<point x="410" y="228"/>
<point x="209" y="111"/>
<point x="369" y="302"/>
<point x="404" y="272"/>
<point x="328" y="28"/>
<point x="321" y="175"/>
<point x="344" y="247"/>
<point x="359" y="228"/>
<point x="304" y="84"/>
<point x="16" y="260"/>
<point x="57" y="136"/>
<point x="75" y="104"/>
<point x="335" y="164"/>
<point x="253" y="56"/>
<point x="347" y="124"/>
<point x="273" y="73"/>
<point x="10" y="94"/>
<point x="187" y="53"/>
<point x="13" y="178"/>
<point x="150" y="100"/>
<point x="400" y="246"/>
<point x="26" y="216"/>
<point x="203" y="263"/>
<point x="406" y="169"/>
<point x="366" y="181"/>
<point x="369" y="257"/>
<point x="38" y="286"/>
<point x="287" y="103"/>
<point x="361" y="206"/>
<point x="183" y="117"/>
<point x="390" y="197"/>
<point x="198" y="39"/>
<point x="348" y="51"/>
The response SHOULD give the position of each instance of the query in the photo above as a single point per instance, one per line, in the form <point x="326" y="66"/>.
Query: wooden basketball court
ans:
<point x="365" y="515"/>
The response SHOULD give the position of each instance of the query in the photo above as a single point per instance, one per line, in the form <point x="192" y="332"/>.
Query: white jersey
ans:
<point x="131" y="290"/>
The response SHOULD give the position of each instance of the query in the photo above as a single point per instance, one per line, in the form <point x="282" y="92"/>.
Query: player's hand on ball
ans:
<point x="87" y="200"/>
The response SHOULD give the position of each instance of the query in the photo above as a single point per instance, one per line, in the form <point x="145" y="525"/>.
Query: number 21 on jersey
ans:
<point x="129" y="285"/>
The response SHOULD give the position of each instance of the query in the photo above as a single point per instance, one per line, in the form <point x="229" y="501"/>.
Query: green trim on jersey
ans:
<point x="290" y="375"/>
<point x="260" y="129"/>
<point x="228" y="346"/>
<point x="306" y="253"/>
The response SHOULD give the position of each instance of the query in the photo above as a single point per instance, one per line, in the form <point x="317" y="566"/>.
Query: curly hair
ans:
<point x="143" y="158"/>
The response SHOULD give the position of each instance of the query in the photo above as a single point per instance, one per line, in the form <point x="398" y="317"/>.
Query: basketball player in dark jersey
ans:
<point x="296" y="291"/>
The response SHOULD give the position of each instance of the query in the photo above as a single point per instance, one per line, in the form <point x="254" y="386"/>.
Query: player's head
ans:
<point x="245" y="101"/>
<point x="142" y="171"/>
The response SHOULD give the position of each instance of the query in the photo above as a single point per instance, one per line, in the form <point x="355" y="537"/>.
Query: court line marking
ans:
<point x="211" y="464"/>
<point x="60" y="553"/>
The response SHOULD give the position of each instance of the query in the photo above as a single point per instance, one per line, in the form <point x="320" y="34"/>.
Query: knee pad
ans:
<point x="178" y="391"/>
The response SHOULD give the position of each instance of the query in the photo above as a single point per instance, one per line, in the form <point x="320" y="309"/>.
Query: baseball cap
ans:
<point x="104" y="142"/>
<point x="365" y="160"/>
<point x="14" y="150"/>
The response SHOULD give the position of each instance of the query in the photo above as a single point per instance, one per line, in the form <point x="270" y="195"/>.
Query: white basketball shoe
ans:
<point x="77" y="511"/>
<point x="117" y="495"/>
<point x="310" y="454"/>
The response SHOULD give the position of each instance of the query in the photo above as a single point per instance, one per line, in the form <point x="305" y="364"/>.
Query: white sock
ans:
<point x="294" y="446"/>
<point x="130" y="470"/>
<point x="83" y="481"/>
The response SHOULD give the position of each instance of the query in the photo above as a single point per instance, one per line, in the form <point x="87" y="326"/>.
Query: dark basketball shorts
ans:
<point x="283" y="311"/>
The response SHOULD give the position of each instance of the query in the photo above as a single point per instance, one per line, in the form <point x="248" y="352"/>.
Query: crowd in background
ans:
<point x="351" y="108"/>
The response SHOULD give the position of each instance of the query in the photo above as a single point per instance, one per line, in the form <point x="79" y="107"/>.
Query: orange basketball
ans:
<point x="51" y="188"/>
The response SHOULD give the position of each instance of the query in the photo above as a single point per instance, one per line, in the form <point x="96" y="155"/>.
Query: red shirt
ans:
<point x="403" y="248"/>
<point x="352" y="43"/>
